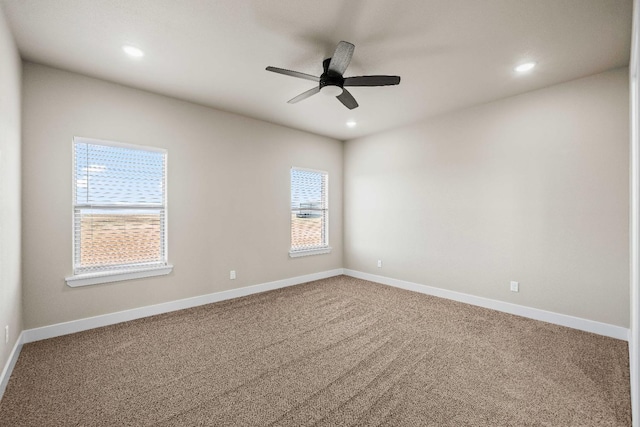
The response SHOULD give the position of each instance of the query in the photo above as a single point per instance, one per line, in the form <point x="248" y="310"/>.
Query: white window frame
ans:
<point x="317" y="250"/>
<point x="136" y="271"/>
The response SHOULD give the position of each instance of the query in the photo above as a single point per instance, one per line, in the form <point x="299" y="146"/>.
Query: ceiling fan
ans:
<point x="332" y="81"/>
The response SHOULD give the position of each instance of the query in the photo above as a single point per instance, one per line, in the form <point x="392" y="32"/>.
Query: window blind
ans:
<point x="309" y="210"/>
<point x="119" y="213"/>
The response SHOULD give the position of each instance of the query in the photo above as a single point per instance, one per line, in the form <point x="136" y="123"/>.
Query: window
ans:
<point x="119" y="212"/>
<point x="309" y="212"/>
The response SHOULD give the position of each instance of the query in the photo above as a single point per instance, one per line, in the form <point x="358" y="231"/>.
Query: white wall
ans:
<point x="228" y="189"/>
<point x="10" y="290"/>
<point x="533" y="188"/>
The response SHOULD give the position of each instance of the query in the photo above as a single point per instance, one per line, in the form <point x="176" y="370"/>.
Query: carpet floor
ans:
<point x="335" y="352"/>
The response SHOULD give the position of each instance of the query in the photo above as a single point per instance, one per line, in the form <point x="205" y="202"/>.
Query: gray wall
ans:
<point x="10" y="290"/>
<point x="532" y="188"/>
<point x="228" y="190"/>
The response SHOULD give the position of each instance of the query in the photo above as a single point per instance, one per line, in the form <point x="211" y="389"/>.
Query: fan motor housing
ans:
<point x="329" y="78"/>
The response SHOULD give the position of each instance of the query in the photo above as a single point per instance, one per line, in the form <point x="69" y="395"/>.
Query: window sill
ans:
<point x="307" y="252"/>
<point x="87" y="279"/>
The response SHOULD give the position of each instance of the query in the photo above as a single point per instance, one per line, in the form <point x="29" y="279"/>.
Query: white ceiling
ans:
<point x="449" y="53"/>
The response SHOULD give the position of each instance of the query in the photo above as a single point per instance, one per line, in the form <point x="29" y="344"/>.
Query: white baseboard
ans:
<point x="592" y="326"/>
<point x="37" y="334"/>
<point x="633" y="379"/>
<point x="8" y="367"/>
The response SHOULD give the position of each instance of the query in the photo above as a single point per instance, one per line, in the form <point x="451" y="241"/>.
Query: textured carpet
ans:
<point x="335" y="352"/>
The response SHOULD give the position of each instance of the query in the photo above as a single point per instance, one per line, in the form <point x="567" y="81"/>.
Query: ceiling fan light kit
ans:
<point x="332" y="82"/>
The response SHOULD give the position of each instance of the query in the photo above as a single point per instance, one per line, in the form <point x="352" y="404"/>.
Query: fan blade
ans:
<point x="304" y="95"/>
<point x="347" y="99"/>
<point x="372" y="81"/>
<point x="293" y="74"/>
<point x="341" y="57"/>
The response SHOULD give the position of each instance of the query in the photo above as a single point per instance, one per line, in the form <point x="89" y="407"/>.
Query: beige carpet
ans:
<point x="336" y="352"/>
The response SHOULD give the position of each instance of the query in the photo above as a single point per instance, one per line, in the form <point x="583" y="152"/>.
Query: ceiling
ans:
<point x="450" y="53"/>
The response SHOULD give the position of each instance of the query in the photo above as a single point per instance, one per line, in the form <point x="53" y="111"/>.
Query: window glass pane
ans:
<point x="119" y="236"/>
<point x="117" y="175"/>
<point x="306" y="232"/>
<point x="307" y="189"/>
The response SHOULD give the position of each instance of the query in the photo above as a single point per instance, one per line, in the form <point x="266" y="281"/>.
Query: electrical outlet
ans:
<point x="232" y="275"/>
<point x="515" y="287"/>
<point x="6" y="334"/>
<point x="379" y="263"/>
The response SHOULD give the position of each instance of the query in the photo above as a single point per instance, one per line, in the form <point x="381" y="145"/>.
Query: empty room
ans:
<point x="304" y="213"/>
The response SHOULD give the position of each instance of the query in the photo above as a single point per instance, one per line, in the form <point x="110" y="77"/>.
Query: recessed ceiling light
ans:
<point x="351" y="123"/>
<point x="133" y="51"/>
<point x="522" y="68"/>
